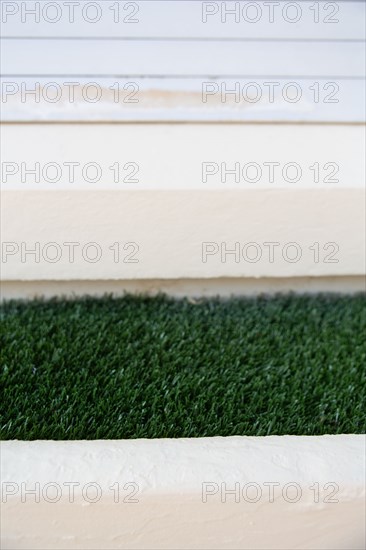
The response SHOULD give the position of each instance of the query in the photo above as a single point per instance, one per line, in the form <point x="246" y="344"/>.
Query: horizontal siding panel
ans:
<point x="167" y="52"/>
<point x="185" y="18"/>
<point x="181" y="58"/>
<point x="175" y="99"/>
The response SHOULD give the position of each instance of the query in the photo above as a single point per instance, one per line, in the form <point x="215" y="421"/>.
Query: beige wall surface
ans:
<point x="182" y="234"/>
<point x="172" y="222"/>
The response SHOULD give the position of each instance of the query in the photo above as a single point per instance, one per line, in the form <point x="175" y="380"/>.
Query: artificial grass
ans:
<point x="156" y="367"/>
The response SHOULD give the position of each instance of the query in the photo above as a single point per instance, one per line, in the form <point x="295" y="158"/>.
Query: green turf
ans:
<point x="142" y="367"/>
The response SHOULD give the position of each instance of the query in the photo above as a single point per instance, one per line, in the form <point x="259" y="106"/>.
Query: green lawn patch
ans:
<point x="156" y="367"/>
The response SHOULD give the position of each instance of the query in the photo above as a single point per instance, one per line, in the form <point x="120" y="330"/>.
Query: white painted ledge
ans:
<point x="171" y="479"/>
<point x="170" y="217"/>
<point x="179" y="157"/>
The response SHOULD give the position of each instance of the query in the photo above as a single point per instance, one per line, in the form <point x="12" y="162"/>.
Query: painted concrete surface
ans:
<point x="93" y="235"/>
<point x="183" y="215"/>
<point x="163" y="156"/>
<point x="277" y="492"/>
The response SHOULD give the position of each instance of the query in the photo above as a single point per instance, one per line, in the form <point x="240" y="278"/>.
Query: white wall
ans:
<point x="163" y="53"/>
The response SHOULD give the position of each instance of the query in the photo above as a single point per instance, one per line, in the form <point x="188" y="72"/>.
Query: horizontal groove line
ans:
<point x="105" y="122"/>
<point x="182" y="77"/>
<point x="259" y="1"/>
<point x="183" y="38"/>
